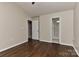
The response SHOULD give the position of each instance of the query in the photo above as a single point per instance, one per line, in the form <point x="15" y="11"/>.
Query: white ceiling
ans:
<point x="40" y="8"/>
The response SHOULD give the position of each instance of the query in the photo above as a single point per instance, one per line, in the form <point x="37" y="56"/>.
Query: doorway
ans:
<point x="29" y="30"/>
<point x="55" y="30"/>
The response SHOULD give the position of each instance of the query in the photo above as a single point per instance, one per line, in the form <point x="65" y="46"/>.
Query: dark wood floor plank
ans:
<point x="37" y="48"/>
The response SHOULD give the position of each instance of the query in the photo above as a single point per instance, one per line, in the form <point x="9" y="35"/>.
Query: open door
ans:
<point x="35" y="30"/>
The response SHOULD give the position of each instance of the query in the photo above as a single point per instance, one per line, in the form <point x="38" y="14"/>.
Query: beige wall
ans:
<point x="66" y="30"/>
<point x="76" y="28"/>
<point x="45" y="34"/>
<point x="13" y="25"/>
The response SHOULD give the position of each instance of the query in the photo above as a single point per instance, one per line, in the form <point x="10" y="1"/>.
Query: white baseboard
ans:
<point x="46" y="41"/>
<point x="66" y="44"/>
<point x="58" y="43"/>
<point x="76" y="50"/>
<point x="55" y="41"/>
<point x="13" y="46"/>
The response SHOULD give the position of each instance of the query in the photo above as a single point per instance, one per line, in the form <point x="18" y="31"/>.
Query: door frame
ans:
<point x="59" y="29"/>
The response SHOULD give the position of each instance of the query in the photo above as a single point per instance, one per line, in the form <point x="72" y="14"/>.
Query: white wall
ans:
<point x="35" y="28"/>
<point x="66" y="26"/>
<point x="66" y="19"/>
<point x="45" y="34"/>
<point x="13" y="25"/>
<point x="76" y="28"/>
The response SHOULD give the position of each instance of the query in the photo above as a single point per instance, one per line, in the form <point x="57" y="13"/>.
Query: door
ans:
<point x="35" y="29"/>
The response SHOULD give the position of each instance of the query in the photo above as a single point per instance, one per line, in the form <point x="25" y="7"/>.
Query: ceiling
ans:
<point x="40" y="8"/>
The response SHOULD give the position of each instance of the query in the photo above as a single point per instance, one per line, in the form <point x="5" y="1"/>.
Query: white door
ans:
<point x="35" y="29"/>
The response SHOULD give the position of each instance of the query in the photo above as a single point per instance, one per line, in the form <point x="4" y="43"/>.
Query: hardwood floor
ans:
<point x="36" y="48"/>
